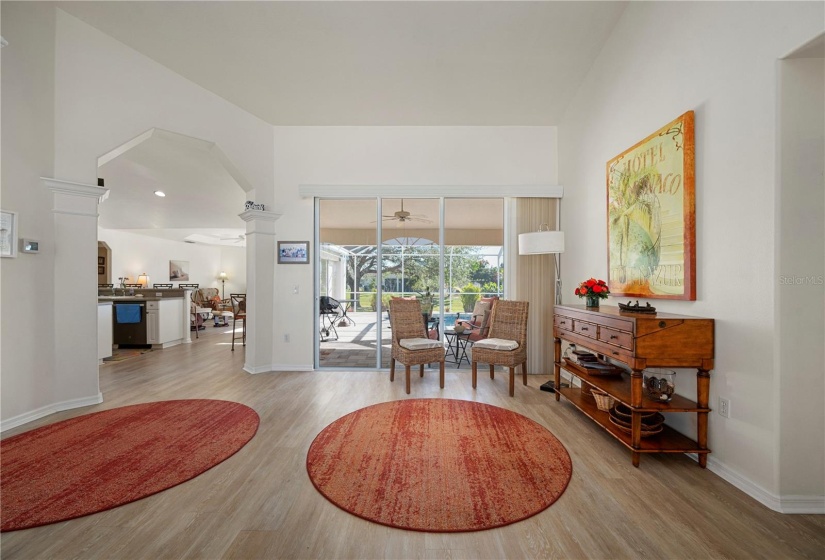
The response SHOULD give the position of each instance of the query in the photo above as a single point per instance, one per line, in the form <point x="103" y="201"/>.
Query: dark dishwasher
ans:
<point x="129" y="325"/>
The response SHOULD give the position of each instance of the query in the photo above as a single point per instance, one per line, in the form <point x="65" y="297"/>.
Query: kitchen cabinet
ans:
<point x="163" y="322"/>
<point x="104" y="329"/>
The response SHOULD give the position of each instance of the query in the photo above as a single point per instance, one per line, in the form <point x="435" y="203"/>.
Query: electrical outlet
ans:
<point x="286" y="338"/>
<point x="724" y="407"/>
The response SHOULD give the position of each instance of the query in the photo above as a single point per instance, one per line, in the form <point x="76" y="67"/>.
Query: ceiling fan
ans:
<point x="234" y="238"/>
<point x="402" y="216"/>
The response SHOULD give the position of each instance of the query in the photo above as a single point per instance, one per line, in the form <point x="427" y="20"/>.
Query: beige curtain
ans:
<point x="535" y="283"/>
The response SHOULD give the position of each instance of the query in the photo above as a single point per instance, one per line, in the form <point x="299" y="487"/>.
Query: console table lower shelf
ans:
<point x="668" y="441"/>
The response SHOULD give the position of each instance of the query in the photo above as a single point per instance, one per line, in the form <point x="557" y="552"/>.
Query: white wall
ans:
<point x="719" y="59"/>
<point x="26" y="316"/>
<point x="106" y="93"/>
<point x="133" y="254"/>
<point x="386" y="156"/>
<point x="70" y="95"/>
<point x="233" y="262"/>
<point x="800" y="293"/>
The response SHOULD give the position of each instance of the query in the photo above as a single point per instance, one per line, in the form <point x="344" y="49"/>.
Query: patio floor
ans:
<point x="356" y="345"/>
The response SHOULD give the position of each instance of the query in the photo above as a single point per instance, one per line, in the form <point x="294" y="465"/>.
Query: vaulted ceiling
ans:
<point x="338" y="63"/>
<point x="372" y="63"/>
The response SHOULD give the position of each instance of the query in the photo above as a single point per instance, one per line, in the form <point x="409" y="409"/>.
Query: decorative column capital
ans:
<point x="74" y="189"/>
<point x="78" y="199"/>
<point x="260" y="221"/>
<point x="262" y="215"/>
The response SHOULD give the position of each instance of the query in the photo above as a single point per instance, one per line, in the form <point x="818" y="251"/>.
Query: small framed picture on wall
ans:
<point x="8" y="234"/>
<point x="293" y="252"/>
<point x="179" y="271"/>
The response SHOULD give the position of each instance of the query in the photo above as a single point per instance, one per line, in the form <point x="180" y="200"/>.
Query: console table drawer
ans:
<point x="619" y="338"/>
<point x="562" y="322"/>
<point x="584" y="328"/>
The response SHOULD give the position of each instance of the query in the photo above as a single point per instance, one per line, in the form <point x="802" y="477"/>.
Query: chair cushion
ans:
<point x="496" y="344"/>
<point x="419" y="343"/>
<point x="478" y="311"/>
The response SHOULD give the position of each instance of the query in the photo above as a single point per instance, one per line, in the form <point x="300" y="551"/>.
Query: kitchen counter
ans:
<point x="134" y="298"/>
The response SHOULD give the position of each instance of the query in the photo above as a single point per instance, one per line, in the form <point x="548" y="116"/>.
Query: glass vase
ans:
<point x="591" y="300"/>
<point x="659" y="384"/>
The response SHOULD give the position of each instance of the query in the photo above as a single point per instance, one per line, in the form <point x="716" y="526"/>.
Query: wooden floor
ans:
<point x="260" y="502"/>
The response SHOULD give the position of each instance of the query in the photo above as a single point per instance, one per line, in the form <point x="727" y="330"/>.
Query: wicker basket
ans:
<point x="604" y="402"/>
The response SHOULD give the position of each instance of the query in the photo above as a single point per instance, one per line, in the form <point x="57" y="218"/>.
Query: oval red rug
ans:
<point x="106" y="459"/>
<point x="439" y="465"/>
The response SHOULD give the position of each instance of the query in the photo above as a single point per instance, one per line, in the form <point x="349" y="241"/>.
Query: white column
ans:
<point x="75" y="210"/>
<point x="187" y="317"/>
<point x="260" y="289"/>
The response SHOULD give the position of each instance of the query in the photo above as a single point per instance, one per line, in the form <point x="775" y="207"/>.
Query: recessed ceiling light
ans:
<point x="160" y="194"/>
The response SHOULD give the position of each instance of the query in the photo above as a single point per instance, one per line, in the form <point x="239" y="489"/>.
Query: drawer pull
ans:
<point x="662" y="324"/>
<point x="615" y="353"/>
<point x="584" y="328"/>
<point x="613" y="337"/>
<point x="562" y="322"/>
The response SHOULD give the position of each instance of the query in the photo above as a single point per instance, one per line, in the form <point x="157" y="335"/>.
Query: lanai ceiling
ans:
<point x="367" y="63"/>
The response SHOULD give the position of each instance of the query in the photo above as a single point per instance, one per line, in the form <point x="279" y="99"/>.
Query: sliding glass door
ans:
<point x="447" y="253"/>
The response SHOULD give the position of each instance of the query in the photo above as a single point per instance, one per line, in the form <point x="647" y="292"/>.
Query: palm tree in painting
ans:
<point x="635" y="225"/>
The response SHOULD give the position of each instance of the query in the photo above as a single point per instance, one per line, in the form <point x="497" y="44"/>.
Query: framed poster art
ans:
<point x="651" y="222"/>
<point x="8" y="234"/>
<point x="293" y="252"/>
<point x="179" y="271"/>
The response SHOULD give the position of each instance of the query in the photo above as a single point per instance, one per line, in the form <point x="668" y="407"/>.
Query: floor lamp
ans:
<point x="223" y="278"/>
<point x="544" y="242"/>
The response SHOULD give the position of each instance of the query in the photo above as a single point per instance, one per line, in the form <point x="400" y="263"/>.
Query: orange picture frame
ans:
<point x="651" y="215"/>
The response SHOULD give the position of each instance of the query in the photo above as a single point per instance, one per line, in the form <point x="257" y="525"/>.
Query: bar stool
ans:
<point x="239" y="312"/>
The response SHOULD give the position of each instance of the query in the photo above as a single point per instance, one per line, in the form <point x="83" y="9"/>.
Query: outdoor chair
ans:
<point x="479" y="323"/>
<point x="410" y="344"/>
<point x="507" y="341"/>
<point x="331" y="311"/>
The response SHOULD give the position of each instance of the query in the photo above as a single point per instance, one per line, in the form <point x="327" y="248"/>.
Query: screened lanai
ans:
<point x="446" y="252"/>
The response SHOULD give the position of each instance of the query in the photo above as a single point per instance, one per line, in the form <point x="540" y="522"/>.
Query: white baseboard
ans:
<point x="803" y="504"/>
<point x="49" y="409"/>
<point x="781" y="504"/>
<point x="277" y="367"/>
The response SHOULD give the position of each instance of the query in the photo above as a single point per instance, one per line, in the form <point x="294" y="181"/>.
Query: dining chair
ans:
<point x="410" y="344"/>
<point x="506" y="344"/>
<point x="239" y="311"/>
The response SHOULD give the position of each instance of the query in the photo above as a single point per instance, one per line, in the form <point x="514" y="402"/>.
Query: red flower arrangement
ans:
<point x="593" y="287"/>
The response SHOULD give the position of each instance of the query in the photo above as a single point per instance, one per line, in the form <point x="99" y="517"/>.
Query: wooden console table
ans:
<point x="640" y="341"/>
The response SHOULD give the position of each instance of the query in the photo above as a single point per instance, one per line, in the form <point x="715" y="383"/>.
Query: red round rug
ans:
<point x="106" y="459"/>
<point x="439" y="465"/>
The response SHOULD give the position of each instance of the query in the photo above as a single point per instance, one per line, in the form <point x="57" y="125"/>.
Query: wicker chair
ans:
<point x="507" y="341"/>
<point x="410" y="345"/>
